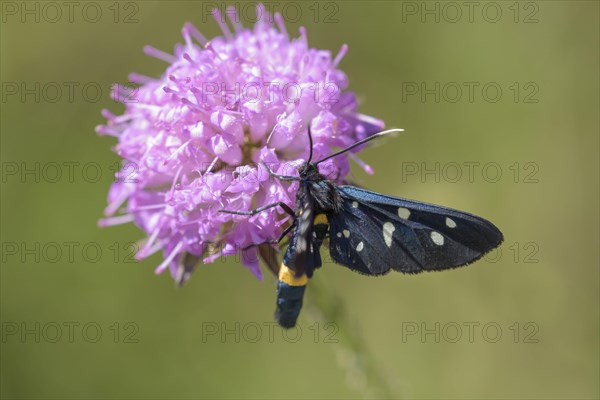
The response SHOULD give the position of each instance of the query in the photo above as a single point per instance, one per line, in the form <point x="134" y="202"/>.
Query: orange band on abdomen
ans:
<point x="288" y="276"/>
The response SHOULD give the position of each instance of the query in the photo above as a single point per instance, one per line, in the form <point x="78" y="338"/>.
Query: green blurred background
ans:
<point x="545" y="279"/>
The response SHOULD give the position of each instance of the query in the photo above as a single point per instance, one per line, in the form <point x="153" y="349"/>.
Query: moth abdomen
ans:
<point x="290" y="296"/>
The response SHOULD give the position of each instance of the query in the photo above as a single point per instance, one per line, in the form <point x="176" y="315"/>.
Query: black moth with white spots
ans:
<point x="372" y="233"/>
<point x="369" y="233"/>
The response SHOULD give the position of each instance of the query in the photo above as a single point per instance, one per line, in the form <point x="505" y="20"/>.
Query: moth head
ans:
<point x="309" y="170"/>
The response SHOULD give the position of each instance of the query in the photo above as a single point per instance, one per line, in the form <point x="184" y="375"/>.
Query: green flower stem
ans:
<point x="325" y="306"/>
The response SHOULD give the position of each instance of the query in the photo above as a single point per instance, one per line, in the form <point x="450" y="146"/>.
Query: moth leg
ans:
<point x="283" y="234"/>
<point x="281" y="204"/>
<point x="281" y="237"/>
<point x="280" y="177"/>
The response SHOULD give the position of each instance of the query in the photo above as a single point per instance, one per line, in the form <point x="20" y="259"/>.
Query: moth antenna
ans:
<point x="365" y="140"/>
<point x="310" y="140"/>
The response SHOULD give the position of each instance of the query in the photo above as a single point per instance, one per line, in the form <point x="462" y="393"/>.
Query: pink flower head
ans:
<point x="194" y="140"/>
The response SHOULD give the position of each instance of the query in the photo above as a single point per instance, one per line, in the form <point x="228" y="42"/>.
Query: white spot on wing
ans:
<point x="301" y="244"/>
<point x="360" y="247"/>
<point x="355" y="204"/>
<point x="403" y="213"/>
<point x="437" y="238"/>
<point x="450" y="223"/>
<point x="388" y="230"/>
<point x="339" y="234"/>
<point x="346" y="233"/>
